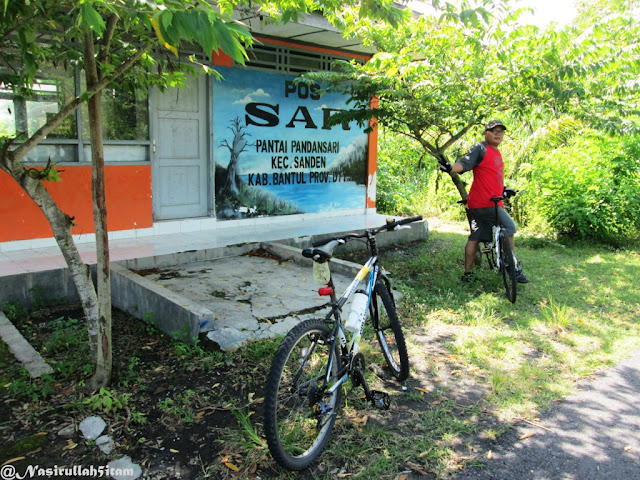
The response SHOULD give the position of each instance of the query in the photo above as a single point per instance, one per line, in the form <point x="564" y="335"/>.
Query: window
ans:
<point x="27" y="114"/>
<point x="125" y="114"/>
<point x="289" y="60"/>
<point x="125" y="117"/>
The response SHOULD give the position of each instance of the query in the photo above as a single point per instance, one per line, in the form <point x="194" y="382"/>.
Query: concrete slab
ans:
<point x="217" y="289"/>
<point x="251" y="297"/>
<point x="22" y="350"/>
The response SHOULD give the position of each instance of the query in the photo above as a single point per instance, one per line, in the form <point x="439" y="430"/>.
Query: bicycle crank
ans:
<point x="378" y="399"/>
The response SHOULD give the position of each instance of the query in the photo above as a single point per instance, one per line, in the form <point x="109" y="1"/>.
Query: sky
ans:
<point x="547" y="11"/>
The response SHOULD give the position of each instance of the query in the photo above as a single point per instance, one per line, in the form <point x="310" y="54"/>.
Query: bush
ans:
<point x="407" y="182"/>
<point x="589" y="190"/>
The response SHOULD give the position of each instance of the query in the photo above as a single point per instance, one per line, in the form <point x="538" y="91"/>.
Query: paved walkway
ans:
<point x="592" y="435"/>
<point x="179" y="236"/>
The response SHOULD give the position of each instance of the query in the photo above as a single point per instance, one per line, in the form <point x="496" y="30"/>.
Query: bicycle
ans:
<point x="303" y="391"/>
<point x="498" y="251"/>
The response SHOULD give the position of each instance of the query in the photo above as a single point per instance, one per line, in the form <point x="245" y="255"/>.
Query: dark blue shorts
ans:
<point x="484" y="219"/>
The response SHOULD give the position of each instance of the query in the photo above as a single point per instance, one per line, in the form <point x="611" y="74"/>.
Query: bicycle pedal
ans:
<point x="380" y="400"/>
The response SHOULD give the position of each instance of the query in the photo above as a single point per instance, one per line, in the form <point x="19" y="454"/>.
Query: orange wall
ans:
<point x="128" y="190"/>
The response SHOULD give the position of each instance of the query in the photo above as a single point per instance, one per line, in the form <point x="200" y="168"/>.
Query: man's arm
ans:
<point x="473" y="157"/>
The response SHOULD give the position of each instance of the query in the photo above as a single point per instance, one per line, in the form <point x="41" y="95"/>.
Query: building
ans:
<point x="246" y="149"/>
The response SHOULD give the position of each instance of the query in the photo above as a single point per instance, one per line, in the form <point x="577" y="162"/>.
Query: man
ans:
<point x="485" y="160"/>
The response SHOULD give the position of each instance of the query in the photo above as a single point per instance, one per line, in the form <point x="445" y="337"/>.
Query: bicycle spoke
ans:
<point x="299" y="414"/>
<point x="389" y="334"/>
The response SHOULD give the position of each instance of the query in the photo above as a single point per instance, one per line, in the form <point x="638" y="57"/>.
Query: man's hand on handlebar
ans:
<point x="509" y="192"/>
<point x="444" y="166"/>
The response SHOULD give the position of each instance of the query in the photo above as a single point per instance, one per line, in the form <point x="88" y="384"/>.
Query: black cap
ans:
<point x="493" y="124"/>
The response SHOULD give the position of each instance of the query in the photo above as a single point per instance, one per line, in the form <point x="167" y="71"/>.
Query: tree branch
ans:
<point x="112" y="22"/>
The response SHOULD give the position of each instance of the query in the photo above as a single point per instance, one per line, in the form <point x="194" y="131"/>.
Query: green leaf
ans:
<point x="89" y="17"/>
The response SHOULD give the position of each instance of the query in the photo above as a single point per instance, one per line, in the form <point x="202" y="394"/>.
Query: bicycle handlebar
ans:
<point x="390" y="225"/>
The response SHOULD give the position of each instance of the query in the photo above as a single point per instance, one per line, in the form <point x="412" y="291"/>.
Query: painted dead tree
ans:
<point x="237" y="146"/>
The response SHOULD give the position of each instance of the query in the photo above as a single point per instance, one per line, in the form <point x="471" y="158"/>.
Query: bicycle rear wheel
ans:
<point x="298" y="414"/>
<point x="508" y="267"/>
<point x="389" y="332"/>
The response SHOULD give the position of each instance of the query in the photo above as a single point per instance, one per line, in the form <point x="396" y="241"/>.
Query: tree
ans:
<point x="109" y="40"/>
<point x="440" y="77"/>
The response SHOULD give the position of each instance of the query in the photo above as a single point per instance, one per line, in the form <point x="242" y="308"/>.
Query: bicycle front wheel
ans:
<point x="508" y="267"/>
<point x="389" y="332"/>
<point x="298" y="413"/>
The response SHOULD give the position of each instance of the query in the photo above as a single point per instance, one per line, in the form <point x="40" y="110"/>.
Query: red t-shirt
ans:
<point x="488" y="180"/>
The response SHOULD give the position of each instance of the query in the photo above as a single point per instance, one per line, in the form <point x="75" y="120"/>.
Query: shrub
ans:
<point x="589" y="190"/>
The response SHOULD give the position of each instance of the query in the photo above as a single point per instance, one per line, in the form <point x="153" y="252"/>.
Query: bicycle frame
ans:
<point x="369" y="271"/>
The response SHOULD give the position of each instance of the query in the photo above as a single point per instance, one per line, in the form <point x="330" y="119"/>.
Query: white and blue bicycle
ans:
<point x="303" y="391"/>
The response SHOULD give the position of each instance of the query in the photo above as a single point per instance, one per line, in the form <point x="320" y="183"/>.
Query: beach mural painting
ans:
<point x="275" y="153"/>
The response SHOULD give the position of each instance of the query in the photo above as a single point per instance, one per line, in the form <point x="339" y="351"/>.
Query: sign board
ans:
<point x="275" y="153"/>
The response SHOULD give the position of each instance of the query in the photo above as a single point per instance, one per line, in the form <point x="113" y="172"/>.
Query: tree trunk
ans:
<point x="231" y="184"/>
<point x="103" y="356"/>
<point x="61" y="225"/>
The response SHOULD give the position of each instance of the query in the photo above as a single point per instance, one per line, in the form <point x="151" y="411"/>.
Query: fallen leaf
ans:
<point x="527" y="435"/>
<point x="473" y="369"/>
<point x="232" y="466"/>
<point x="173" y="450"/>
<point x="423" y="390"/>
<point x="402" y="476"/>
<point x="11" y="460"/>
<point x="70" y="445"/>
<point x="361" y="421"/>
<point x="157" y="369"/>
<point x="456" y="372"/>
<point x="452" y="356"/>
<point x="424" y="454"/>
<point x="41" y="434"/>
<point x="417" y="469"/>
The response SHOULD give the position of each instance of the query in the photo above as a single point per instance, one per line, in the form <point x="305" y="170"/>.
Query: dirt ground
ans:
<point x="171" y="406"/>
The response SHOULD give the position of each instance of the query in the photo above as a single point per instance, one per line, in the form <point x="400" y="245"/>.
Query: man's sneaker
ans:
<point x="520" y="278"/>
<point x="467" y="277"/>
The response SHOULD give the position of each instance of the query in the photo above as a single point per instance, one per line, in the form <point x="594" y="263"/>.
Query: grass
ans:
<point x="576" y="317"/>
<point x="479" y="363"/>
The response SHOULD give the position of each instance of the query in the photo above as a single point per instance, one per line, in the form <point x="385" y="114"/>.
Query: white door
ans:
<point x="181" y="152"/>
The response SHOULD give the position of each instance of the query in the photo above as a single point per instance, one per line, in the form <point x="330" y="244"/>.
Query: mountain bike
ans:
<point x="498" y="251"/>
<point x="303" y="391"/>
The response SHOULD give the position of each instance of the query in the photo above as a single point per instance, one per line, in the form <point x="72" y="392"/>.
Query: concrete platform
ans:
<point x="223" y="291"/>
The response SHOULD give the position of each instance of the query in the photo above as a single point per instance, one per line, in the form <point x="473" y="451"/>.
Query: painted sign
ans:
<point x="274" y="151"/>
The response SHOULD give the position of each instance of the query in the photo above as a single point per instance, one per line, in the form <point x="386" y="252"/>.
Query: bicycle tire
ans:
<point x="298" y="418"/>
<point x="508" y="267"/>
<point x="389" y="332"/>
